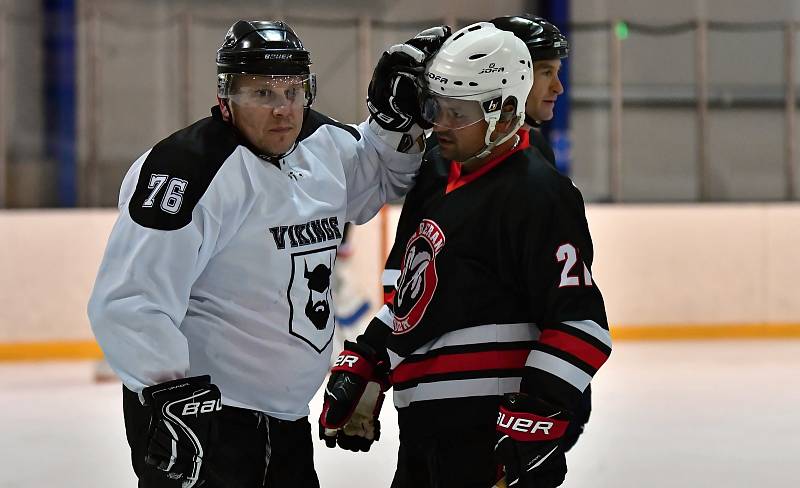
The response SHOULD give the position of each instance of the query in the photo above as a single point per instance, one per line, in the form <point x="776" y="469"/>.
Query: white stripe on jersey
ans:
<point x="390" y="276"/>
<point x="479" y="334"/>
<point x="385" y="315"/>
<point x="558" y="367"/>
<point x="439" y="390"/>
<point x="593" y="329"/>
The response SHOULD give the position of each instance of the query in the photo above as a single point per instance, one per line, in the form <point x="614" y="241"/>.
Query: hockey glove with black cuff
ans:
<point x="529" y="431"/>
<point x="353" y="398"/>
<point x="430" y="40"/>
<point x="392" y="97"/>
<point x="180" y="429"/>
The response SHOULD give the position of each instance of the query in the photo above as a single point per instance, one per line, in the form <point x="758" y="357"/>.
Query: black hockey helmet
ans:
<point x="543" y="39"/>
<point x="263" y="47"/>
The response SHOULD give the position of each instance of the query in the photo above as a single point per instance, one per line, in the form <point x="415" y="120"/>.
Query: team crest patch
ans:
<point x="310" y="298"/>
<point x="418" y="278"/>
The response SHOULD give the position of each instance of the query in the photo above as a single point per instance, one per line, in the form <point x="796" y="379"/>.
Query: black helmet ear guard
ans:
<point x="543" y="39"/>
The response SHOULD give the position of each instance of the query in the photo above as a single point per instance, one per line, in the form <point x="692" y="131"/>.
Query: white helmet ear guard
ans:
<point x="483" y="64"/>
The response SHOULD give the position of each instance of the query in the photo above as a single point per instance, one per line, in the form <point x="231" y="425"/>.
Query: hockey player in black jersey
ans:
<point x="494" y="325"/>
<point x="548" y="46"/>
<point x="213" y="300"/>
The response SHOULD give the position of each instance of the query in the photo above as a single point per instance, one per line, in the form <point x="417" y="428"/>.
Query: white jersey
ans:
<point x="220" y="262"/>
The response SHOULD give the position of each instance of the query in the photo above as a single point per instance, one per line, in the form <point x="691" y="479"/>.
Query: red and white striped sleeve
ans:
<point x="575" y="340"/>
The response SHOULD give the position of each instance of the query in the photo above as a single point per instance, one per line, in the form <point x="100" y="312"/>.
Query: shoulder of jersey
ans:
<point x="178" y="172"/>
<point x="537" y="179"/>
<point x="314" y="121"/>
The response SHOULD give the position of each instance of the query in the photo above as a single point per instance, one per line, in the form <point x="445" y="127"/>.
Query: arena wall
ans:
<point x="666" y="271"/>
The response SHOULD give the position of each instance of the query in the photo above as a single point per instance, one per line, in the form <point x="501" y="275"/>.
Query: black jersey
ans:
<point x="489" y="287"/>
<point x="535" y="135"/>
<point x="540" y="142"/>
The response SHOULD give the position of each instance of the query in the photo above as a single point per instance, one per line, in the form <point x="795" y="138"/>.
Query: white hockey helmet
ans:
<point x="476" y="71"/>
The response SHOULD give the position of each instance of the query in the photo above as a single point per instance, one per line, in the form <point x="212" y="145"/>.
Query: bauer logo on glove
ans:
<point x="181" y="426"/>
<point x="353" y="398"/>
<point x="529" y="431"/>
<point x="529" y="427"/>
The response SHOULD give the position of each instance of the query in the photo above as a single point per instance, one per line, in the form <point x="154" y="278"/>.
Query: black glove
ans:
<point x="580" y="418"/>
<point x="180" y="425"/>
<point x="392" y="97"/>
<point x="430" y="40"/>
<point x="529" y="431"/>
<point x="353" y="398"/>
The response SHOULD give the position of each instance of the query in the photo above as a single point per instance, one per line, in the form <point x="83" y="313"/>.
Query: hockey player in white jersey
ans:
<point x="213" y="300"/>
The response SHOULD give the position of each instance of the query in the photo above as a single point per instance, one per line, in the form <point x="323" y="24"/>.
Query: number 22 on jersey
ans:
<point x="568" y="254"/>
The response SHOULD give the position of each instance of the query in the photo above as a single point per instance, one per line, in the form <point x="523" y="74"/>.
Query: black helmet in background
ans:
<point x="543" y="39"/>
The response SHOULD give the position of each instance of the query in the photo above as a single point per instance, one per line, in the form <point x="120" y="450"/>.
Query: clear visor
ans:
<point x="451" y="113"/>
<point x="269" y="91"/>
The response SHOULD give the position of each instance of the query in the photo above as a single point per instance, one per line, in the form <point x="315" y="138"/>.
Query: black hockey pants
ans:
<point x="251" y="450"/>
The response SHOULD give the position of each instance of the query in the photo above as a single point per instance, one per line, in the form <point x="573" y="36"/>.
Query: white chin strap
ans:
<point x="489" y="145"/>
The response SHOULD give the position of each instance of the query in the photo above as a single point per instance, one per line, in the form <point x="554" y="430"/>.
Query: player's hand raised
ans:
<point x="393" y="100"/>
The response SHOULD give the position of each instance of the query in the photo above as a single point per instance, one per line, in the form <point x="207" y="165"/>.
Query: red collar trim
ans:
<point x="455" y="180"/>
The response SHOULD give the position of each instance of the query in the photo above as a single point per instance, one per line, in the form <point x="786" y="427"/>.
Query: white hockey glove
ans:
<point x="181" y="428"/>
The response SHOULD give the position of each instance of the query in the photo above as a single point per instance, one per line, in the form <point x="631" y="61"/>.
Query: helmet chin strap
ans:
<point x="489" y="145"/>
<point x="531" y="122"/>
<point x="276" y="158"/>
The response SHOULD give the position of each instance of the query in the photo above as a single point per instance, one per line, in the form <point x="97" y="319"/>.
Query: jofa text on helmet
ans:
<point x="491" y="69"/>
<point x="438" y="78"/>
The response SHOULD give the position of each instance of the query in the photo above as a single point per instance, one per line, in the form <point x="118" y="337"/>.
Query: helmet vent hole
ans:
<point x="504" y="81"/>
<point x="523" y="77"/>
<point x="477" y="56"/>
<point x="474" y="28"/>
<point x="529" y="64"/>
<point x="458" y="36"/>
<point x="459" y="83"/>
<point x="522" y="61"/>
<point x="472" y="83"/>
